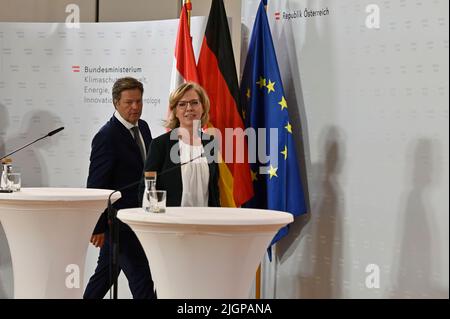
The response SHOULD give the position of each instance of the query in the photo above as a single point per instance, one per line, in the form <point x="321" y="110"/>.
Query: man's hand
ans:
<point x="98" y="240"/>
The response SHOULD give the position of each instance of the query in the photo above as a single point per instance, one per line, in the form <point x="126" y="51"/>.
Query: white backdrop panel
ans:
<point x="40" y="90"/>
<point x="372" y="109"/>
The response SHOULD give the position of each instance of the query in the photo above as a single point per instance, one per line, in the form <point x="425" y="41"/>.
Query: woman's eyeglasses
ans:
<point x="183" y="104"/>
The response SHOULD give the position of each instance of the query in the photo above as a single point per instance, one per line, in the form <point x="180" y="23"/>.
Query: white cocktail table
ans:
<point x="48" y="232"/>
<point x="204" y="252"/>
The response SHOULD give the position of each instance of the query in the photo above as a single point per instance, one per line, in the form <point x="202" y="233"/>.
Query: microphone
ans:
<point x="110" y="207"/>
<point x="112" y="212"/>
<point x="179" y="165"/>
<point x="55" y="131"/>
<point x="155" y="174"/>
<point x="49" y="134"/>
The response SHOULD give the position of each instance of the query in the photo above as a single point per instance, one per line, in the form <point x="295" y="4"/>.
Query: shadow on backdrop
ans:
<point x="321" y="257"/>
<point x="309" y="257"/>
<point x="419" y="253"/>
<point x="30" y="161"/>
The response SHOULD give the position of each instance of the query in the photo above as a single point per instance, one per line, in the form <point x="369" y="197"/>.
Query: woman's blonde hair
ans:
<point x="175" y="97"/>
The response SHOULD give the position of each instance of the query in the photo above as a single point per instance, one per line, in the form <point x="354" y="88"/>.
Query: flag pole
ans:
<point x="258" y="271"/>
<point x="189" y="9"/>
<point x="258" y="283"/>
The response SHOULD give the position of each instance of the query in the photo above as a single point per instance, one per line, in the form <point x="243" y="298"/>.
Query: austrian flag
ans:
<point x="184" y="67"/>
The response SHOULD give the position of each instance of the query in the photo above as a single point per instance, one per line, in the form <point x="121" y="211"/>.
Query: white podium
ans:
<point x="48" y="232"/>
<point x="204" y="252"/>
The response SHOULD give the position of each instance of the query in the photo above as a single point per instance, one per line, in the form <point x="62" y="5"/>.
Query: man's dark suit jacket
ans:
<point x="158" y="159"/>
<point x="116" y="162"/>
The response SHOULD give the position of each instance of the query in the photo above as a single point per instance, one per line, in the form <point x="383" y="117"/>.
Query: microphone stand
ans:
<point x="114" y="241"/>
<point x="114" y="230"/>
<point x="49" y="134"/>
<point x="114" y="247"/>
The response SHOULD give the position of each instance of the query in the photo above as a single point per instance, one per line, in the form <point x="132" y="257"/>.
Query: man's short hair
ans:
<point x="126" y="83"/>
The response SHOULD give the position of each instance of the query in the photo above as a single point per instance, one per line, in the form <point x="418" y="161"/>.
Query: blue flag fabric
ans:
<point x="277" y="184"/>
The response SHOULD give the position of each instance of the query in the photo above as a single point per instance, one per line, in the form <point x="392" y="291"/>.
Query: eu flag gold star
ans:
<point x="270" y="87"/>
<point x="273" y="171"/>
<point x="261" y="82"/>
<point x="283" y="103"/>
<point x="254" y="175"/>
<point x="288" y="127"/>
<point x="284" y="152"/>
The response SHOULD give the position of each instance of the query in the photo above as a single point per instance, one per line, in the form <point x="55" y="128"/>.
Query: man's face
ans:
<point x="129" y="105"/>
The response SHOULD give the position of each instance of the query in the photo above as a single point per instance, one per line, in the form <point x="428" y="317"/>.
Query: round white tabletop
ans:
<point x="48" y="232"/>
<point x="204" y="252"/>
<point x="54" y="194"/>
<point x="214" y="216"/>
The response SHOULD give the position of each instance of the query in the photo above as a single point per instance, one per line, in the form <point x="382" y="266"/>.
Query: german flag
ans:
<point x="217" y="74"/>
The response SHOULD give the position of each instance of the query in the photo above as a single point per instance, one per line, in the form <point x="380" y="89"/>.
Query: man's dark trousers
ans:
<point x="130" y="249"/>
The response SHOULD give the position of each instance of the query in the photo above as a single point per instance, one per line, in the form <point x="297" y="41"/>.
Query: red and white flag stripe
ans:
<point x="184" y="67"/>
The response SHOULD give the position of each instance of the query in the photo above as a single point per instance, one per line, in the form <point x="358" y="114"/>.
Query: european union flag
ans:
<point x="276" y="179"/>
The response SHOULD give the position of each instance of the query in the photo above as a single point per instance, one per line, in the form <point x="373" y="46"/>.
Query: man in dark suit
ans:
<point x="117" y="159"/>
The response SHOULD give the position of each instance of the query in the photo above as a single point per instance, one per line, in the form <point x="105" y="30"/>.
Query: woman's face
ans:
<point x="189" y="109"/>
